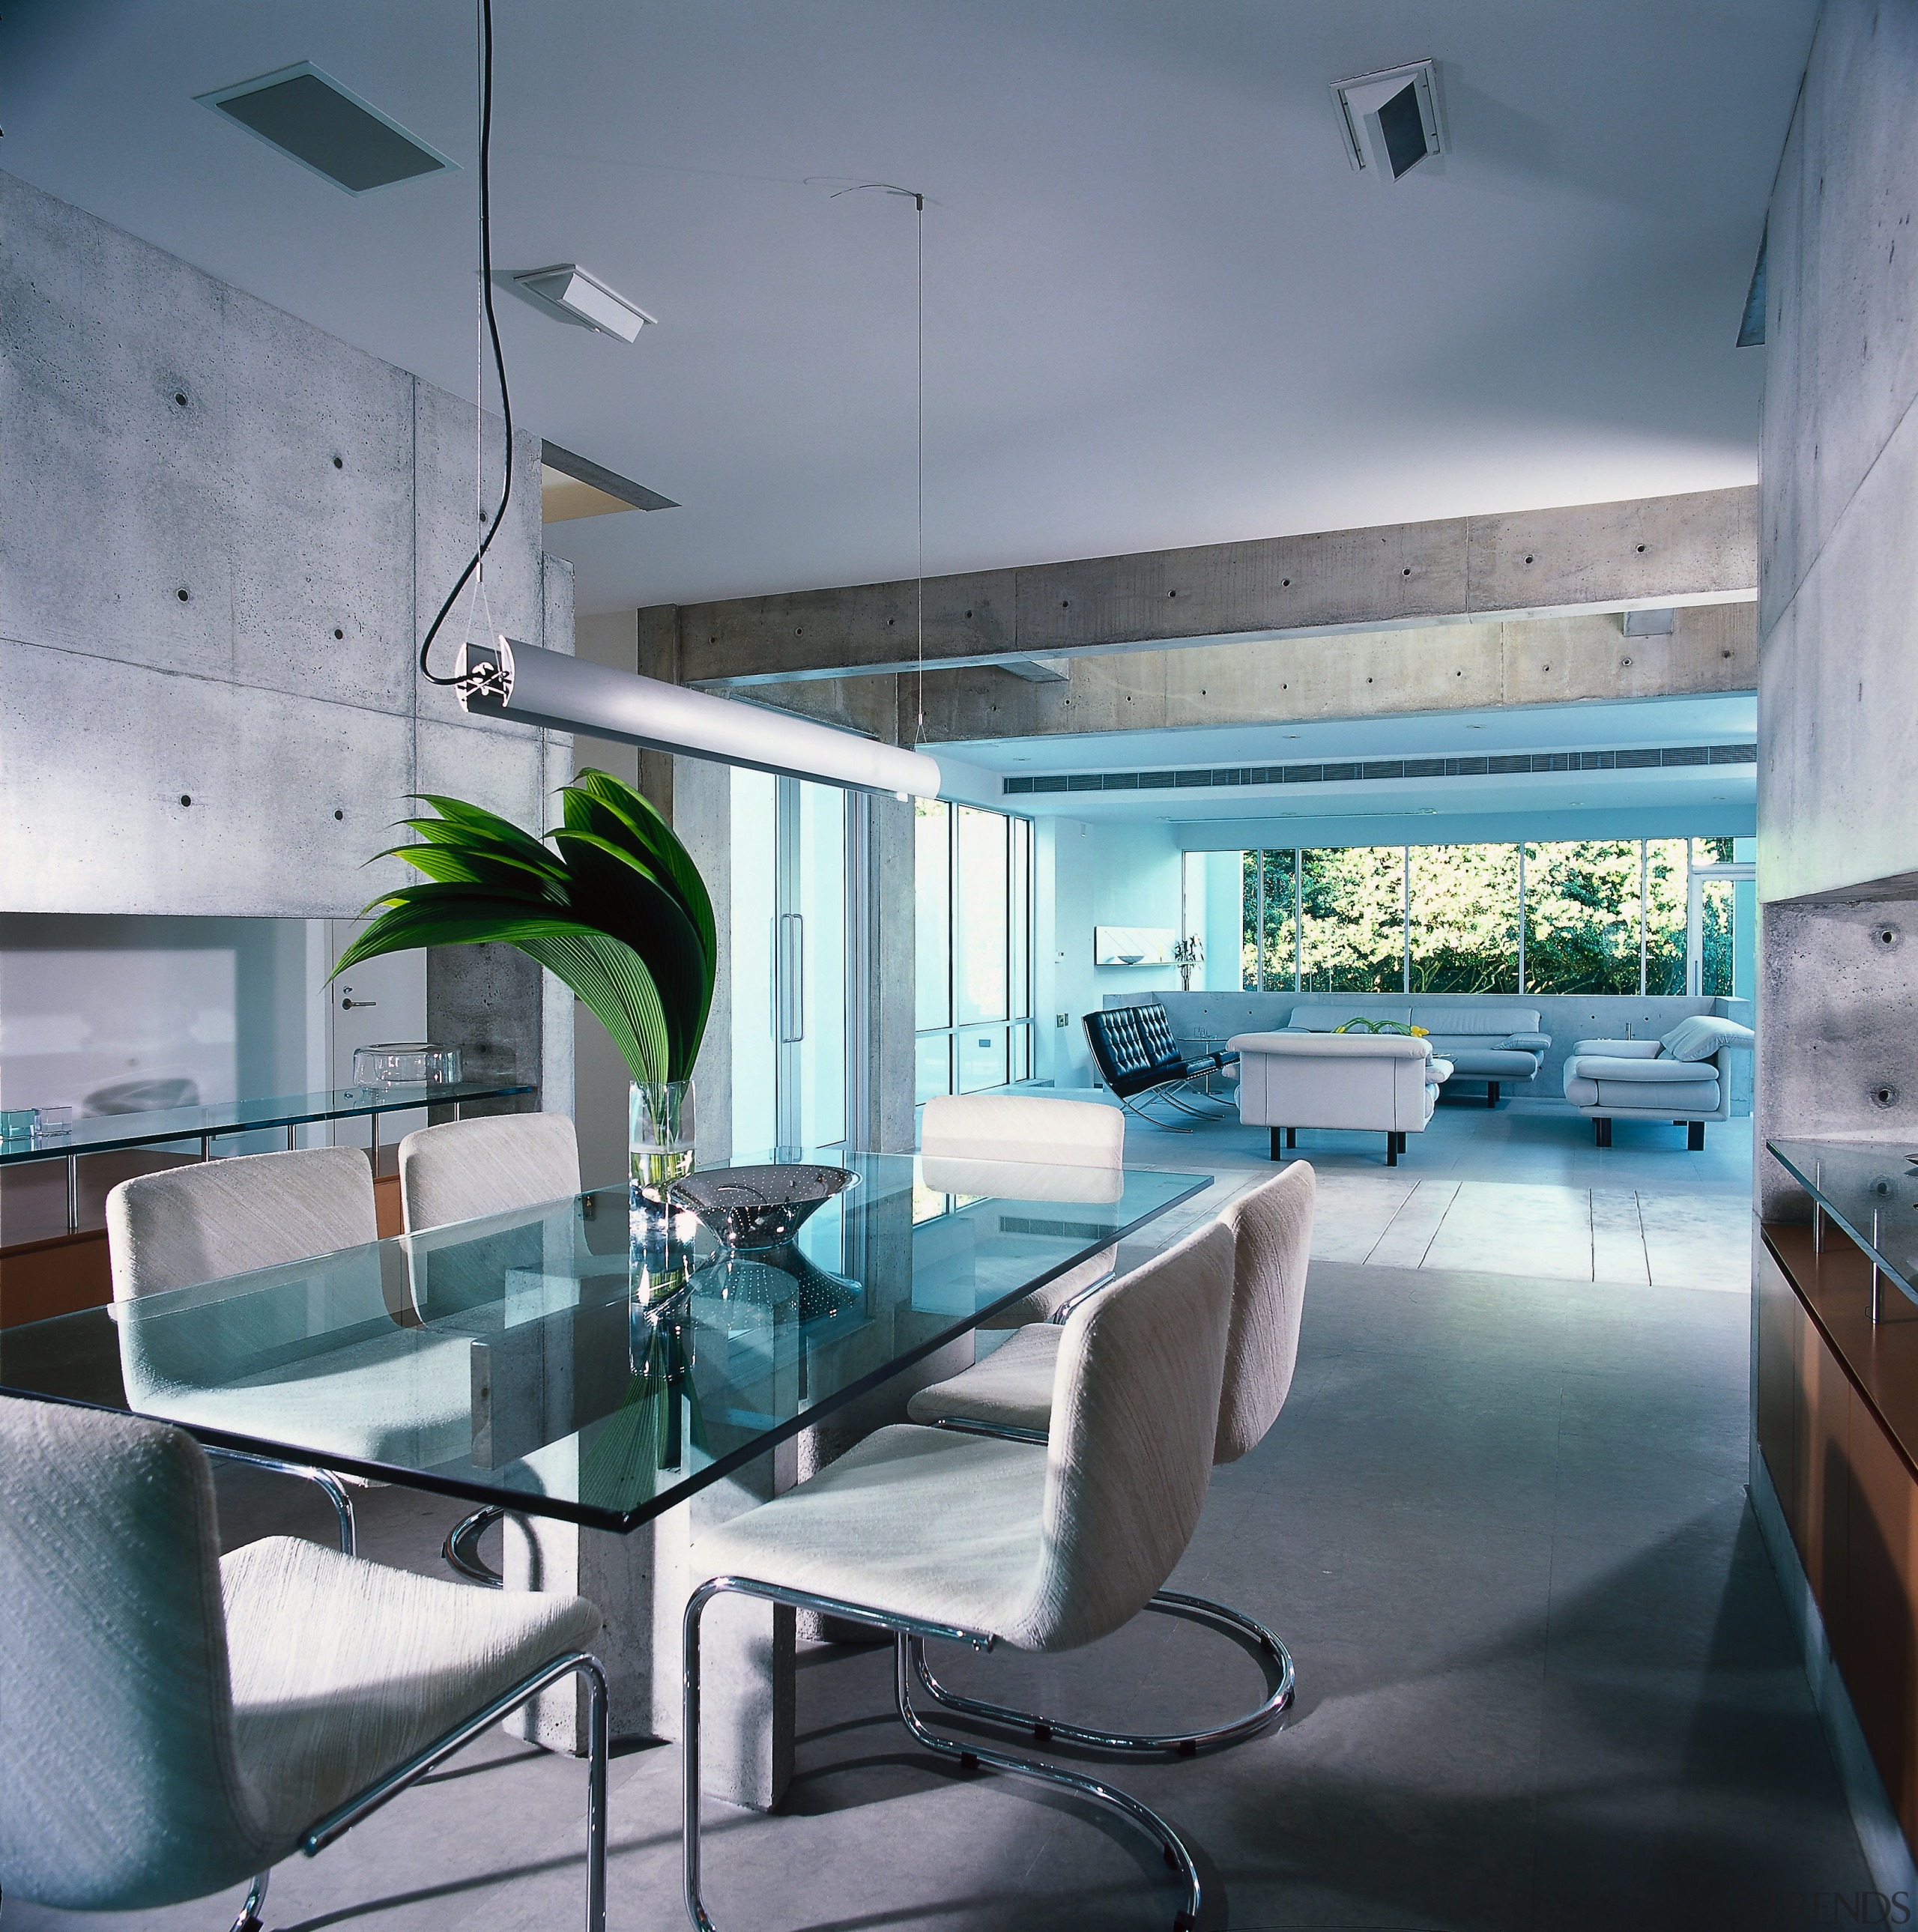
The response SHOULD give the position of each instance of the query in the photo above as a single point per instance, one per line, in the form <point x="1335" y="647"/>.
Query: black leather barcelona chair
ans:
<point x="1137" y="1057"/>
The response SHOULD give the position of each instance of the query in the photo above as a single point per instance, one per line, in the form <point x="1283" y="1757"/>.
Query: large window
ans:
<point x="974" y="988"/>
<point x="1574" y="916"/>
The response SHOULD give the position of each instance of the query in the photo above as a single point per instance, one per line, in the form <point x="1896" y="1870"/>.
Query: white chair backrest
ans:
<point x="120" y="1786"/>
<point x="1134" y="1409"/>
<point x="496" y="1165"/>
<point x="1272" y="1242"/>
<point x="222" y="1217"/>
<point x="1017" y="1127"/>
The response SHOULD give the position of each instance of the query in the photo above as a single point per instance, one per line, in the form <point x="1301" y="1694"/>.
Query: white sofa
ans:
<point x="1683" y="1078"/>
<point x="1501" y="1046"/>
<point x="1378" y="1083"/>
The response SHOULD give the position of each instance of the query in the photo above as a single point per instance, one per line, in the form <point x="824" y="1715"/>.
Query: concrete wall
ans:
<point x="1838" y="570"/>
<point x="224" y="533"/>
<point x="1838" y="812"/>
<point x="1567" y="1017"/>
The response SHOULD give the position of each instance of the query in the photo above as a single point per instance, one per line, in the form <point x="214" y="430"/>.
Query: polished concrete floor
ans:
<point x="1545" y="1679"/>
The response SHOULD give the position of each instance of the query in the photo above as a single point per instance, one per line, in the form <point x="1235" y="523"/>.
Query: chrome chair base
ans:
<point x="598" y="1732"/>
<point x="461" y="1547"/>
<point x="249" y="1920"/>
<point x="1178" y="1744"/>
<point x="909" y="1639"/>
<point x="323" y="1480"/>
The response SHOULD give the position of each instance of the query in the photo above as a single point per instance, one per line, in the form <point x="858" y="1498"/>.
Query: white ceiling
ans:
<point x="1160" y="308"/>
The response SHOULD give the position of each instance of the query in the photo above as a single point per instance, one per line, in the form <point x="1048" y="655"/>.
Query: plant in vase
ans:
<point x="1189" y="952"/>
<point x="616" y="910"/>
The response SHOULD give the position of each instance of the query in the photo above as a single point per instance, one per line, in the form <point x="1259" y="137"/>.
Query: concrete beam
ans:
<point x="1699" y="549"/>
<point x="1368" y="674"/>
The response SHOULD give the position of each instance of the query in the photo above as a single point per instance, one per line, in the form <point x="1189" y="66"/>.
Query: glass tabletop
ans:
<point x="1870" y="1189"/>
<point x="103" y="1131"/>
<point x="585" y="1360"/>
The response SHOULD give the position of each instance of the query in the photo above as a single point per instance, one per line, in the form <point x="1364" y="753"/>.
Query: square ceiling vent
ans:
<point x="1390" y="120"/>
<point x="308" y="116"/>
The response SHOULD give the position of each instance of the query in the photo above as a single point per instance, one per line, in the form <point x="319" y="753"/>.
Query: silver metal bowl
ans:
<point x="759" y="1207"/>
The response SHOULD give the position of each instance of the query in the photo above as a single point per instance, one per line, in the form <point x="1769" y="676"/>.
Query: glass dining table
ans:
<point x="587" y="1360"/>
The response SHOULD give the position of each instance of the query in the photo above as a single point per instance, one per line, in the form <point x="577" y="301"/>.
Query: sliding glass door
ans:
<point x="794" y="1022"/>
<point x="973" y="990"/>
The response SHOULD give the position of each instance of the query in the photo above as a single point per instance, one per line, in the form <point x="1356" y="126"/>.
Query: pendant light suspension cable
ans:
<point x="475" y="564"/>
<point x="918" y="201"/>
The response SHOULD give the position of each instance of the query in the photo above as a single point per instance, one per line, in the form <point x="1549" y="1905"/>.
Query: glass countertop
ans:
<point x="1870" y="1189"/>
<point x="103" y="1133"/>
<point x="583" y="1360"/>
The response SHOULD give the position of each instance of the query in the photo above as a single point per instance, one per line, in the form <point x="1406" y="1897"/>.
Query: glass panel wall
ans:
<point x="1577" y="916"/>
<point x="1463" y="924"/>
<point x="974" y="998"/>
<point x="1270" y="874"/>
<point x="1668" y="878"/>
<point x="1352" y="903"/>
<point x="1582" y="906"/>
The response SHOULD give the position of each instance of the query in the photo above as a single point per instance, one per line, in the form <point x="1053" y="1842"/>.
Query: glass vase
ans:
<point x="660" y="1137"/>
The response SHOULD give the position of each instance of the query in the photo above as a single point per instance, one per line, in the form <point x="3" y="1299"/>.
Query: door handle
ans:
<point x="347" y="1006"/>
<point x="798" y="975"/>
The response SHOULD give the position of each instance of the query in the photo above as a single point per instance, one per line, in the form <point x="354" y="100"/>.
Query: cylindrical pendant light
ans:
<point x="509" y="679"/>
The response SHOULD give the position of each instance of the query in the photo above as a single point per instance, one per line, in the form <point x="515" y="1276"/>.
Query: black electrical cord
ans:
<point x="493" y="329"/>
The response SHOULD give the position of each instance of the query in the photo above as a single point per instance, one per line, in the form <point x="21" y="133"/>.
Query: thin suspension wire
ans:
<point x="476" y="563"/>
<point x="918" y="201"/>
<point x="919" y="456"/>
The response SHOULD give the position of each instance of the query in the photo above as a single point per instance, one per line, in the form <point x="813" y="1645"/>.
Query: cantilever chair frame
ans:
<point x="1236" y="1624"/>
<point x="339" y="1821"/>
<point x="1177" y="1087"/>
<point x="910" y="1636"/>
<point x="329" y="1484"/>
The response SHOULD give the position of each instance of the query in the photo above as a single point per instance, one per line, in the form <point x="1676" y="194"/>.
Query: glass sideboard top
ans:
<point x="583" y="1360"/>
<point x="1870" y="1189"/>
<point x="102" y="1132"/>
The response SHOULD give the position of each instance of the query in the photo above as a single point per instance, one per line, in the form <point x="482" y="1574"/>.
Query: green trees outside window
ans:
<point x="1580" y="915"/>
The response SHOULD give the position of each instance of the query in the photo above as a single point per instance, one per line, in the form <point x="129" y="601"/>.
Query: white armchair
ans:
<point x="1683" y="1078"/>
<point x="1385" y="1083"/>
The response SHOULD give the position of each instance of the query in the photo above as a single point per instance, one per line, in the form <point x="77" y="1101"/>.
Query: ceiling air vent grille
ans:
<point x="311" y="118"/>
<point x="1501" y="765"/>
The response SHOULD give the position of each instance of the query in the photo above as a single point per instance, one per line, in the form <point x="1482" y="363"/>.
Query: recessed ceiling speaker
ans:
<point x="1390" y="121"/>
<point x="311" y="118"/>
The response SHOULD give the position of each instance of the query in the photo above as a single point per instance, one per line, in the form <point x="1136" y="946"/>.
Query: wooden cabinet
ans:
<point x="1837" y="1424"/>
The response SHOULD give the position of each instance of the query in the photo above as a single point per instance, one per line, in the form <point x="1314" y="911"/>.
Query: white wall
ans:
<point x="1086" y="876"/>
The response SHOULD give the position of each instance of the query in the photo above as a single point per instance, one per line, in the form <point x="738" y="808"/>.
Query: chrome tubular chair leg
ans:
<point x="324" y="1480"/>
<point x="913" y="1635"/>
<point x="1179" y="1744"/>
<point x="1062" y="1315"/>
<point x="1151" y="1120"/>
<point x="1172" y="1847"/>
<point x="335" y="1823"/>
<point x="249" y="1920"/>
<point x="461" y="1548"/>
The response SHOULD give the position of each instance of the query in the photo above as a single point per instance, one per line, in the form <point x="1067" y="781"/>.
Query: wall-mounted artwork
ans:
<point x="1132" y="945"/>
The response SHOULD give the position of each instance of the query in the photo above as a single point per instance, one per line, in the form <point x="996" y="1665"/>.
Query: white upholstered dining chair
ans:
<point x="181" y="1722"/>
<point x="381" y="1389"/>
<point x="190" y="1225"/>
<point x="1011" y="1393"/>
<point x="1042" y="1545"/>
<point x="1019" y="1129"/>
<point x="464" y="1171"/>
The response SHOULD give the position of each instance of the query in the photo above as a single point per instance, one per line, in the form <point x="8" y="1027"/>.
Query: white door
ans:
<point x="378" y="1001"/>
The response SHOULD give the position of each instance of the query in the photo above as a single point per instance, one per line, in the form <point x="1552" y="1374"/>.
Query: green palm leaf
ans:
<point x="619" y="913"/>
